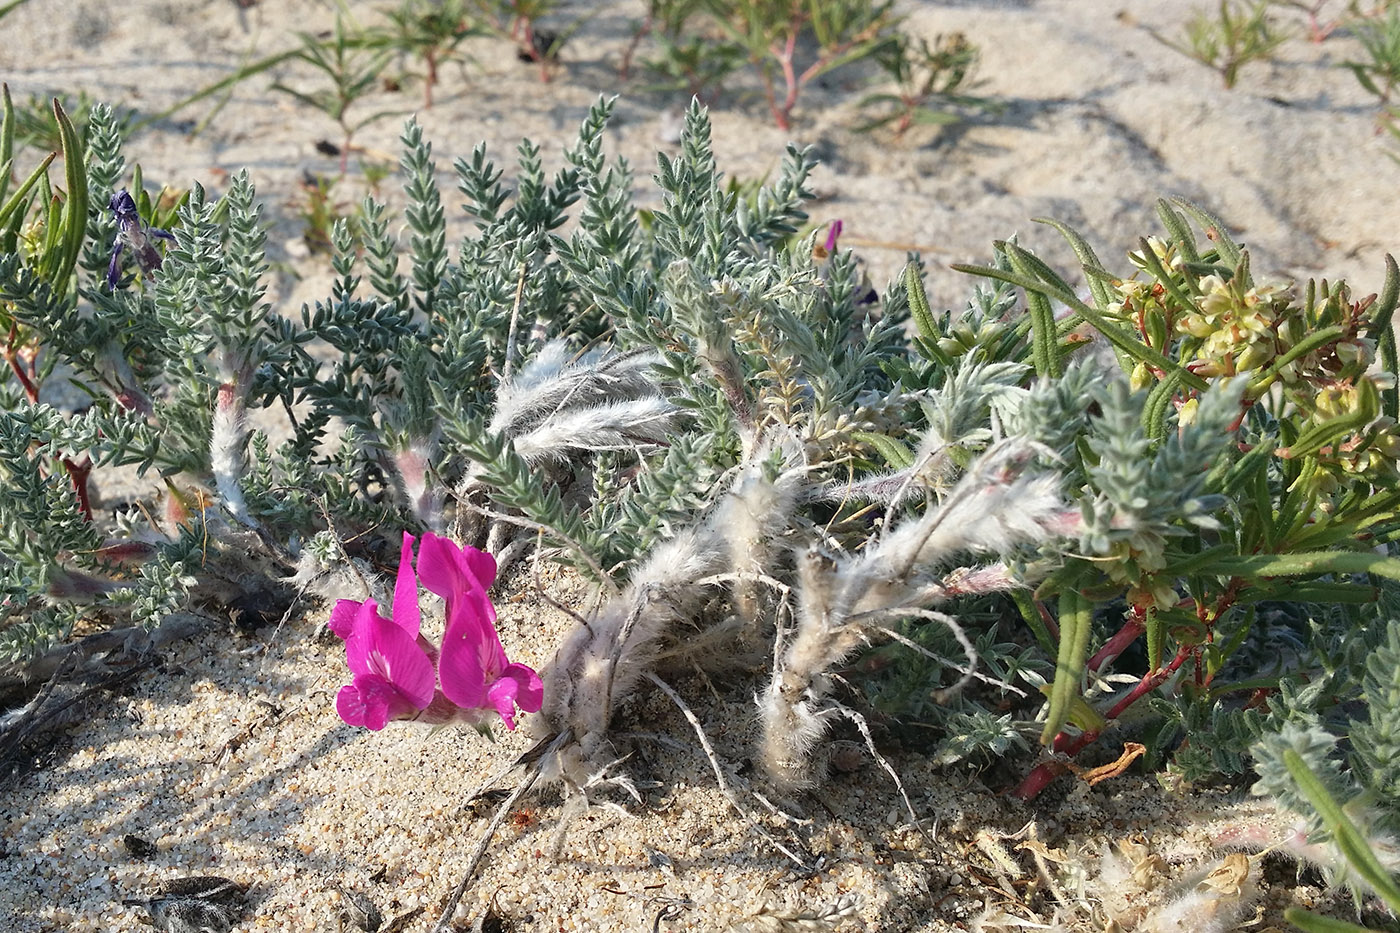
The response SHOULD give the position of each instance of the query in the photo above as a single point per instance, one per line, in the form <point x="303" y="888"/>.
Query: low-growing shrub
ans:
<point x="764" y="465"/>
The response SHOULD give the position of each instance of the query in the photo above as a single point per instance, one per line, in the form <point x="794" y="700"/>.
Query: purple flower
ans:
<point x="132" y="232"/>
<point x="399" y="674"/>
<point x="473" y="668"/>
<point x="393" y="675"/>
<point x="833" y="235"/>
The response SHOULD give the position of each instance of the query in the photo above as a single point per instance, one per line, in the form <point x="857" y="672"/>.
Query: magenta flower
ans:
<point x="473" y="668"/>
<point x="399" y="674"/>
<point x="394" y="677"/>
<point x="832" y="235"/>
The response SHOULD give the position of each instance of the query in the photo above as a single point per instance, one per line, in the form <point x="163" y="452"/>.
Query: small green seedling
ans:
<point x="428" y="29"/>
<point x="927" y="84"/>
<point x="352" y="71"/>
<point x="1238" y="35"/>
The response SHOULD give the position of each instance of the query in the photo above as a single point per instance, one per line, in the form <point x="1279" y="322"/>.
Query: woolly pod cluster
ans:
<point x="658" y="616"/>
<point x="842" y="599"/>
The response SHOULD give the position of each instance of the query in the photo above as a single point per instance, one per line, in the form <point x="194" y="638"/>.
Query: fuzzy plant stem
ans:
<point x="991" y="510"/>
<point x="603" y="660"/>
<point x="227" y="442"/>
<point x="413" y="466"/>
<point x="512" y="349"/>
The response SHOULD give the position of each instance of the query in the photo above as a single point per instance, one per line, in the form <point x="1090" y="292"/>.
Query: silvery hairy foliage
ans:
<point x="679" y="403"/>
<point x="763" y="466"/>
<point x="1343" y="793"/>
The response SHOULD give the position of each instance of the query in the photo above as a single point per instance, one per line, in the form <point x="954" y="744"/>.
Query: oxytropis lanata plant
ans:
<point x="821" y="494"/>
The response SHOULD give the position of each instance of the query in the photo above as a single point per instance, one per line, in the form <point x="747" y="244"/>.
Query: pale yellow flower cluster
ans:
<point x="1239" y="330"/>
<point x="1231" y="329"/>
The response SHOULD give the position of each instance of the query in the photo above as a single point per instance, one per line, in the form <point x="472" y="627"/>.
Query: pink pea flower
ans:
<point x="473" y="668"/>
<point x="393" y="675"/>
<point x="824" y="253"/>
<point x="832" y="235"/>
<point x="399" y="674"/>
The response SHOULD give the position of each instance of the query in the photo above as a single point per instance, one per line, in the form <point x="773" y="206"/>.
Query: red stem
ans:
<point x="1121" y="639"/>
<point x="778" y="116"/>
<point x="789" y="76"/>
<point x="430" y="56"/>
<point x="1151" y="682"/>
<point x="1069" y="745"/>
<point x="31" y="390"/>
<point x="624" y="68"/>
<point x="78" y="474"/>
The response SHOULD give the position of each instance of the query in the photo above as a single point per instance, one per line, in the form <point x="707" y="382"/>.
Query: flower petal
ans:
<point x="406" y="613"/>
<point x="472" y="667"/>
<point x="462" y="665"/>
<point x="518" y="686"/>
<point x="343" y="615"/>
<point x="460" y="576"/>
<point x="357" y="644"/>
<point x="371" y="701"/>
<point x="482" y="566"/>
<point x="501" y="697"/>
<point x="530" y="695"/>
<point x="351" y="706"/>
<point x="394" y="655"/>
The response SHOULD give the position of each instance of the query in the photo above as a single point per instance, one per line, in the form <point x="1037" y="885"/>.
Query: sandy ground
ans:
<point x="230" y="759"/>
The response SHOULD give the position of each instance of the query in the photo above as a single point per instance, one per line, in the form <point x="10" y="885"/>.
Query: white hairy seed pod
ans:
<point x="842" y="599"/>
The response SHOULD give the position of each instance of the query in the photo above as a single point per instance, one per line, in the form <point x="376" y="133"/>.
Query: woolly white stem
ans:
<point x="512" y="350"/>
<point x="839" y="598"/>
<point x="412" y="464"/>
<point x="601" y="662"/>
<point x="227" y="442"/>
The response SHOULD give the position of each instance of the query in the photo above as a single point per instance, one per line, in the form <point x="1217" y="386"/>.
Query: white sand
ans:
<point x="1101" y="120"/>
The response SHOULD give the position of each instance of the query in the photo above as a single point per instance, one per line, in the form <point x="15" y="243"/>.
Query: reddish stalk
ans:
<point x="624" y="68"/>
<point x="1125" y="636"/>
<point x="23" y="365"/>
<point x="794" y="81"/>
<point x="12" y="356"/>
<point x="430" y="58"/>
<point x="1069" y="745"/>
<point x="789" y="78"/>
<point x="78" y="474"/>
<point x="1151" y="682"/>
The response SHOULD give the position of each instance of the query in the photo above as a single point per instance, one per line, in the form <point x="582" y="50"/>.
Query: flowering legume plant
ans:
<point x="1176" y="494"/>
<point x="1248" y="458"/>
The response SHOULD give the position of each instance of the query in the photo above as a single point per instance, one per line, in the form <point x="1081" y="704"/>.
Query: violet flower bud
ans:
<point x="133" y="233"/>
